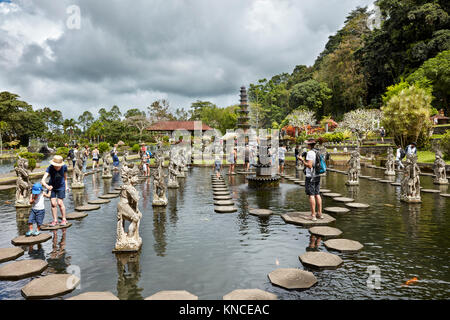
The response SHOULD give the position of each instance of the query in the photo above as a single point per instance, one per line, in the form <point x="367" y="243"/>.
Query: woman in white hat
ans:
<point x="57" y="171"/>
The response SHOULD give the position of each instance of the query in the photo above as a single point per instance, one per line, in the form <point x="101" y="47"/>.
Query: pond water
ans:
<point x="187" y="246"/>
<point x="7" y="165"/>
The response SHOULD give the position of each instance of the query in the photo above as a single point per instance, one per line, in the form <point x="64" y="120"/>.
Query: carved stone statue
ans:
<point x="181" y="164"/>
<point x="390" y="163"/>
<point x="23" y="189"/>
<point x="127" y="210"/>
<point x="78" y="174"/>
<point x="107" y="160"/>
<point x="125" y="160"/>
<point x="172" y="181"/>
<point x="439" y="169"/>
<point x="159" y="183"/>
<point x="410" y="188"/>
<point x="354" y="169"/>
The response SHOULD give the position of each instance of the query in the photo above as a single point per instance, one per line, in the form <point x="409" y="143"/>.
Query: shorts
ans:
<point x="247" y="160"/>
<point x="60" y="194"/>
<point x="95" y="160"/>
<point x="312" y="186"/>
<point x="281" y="162"/>
<point x="217" y="165"/>
<point x="37" y="216"/>
<point x="231" y="161"/>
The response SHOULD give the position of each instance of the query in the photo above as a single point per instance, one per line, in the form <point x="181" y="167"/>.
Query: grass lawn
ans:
<point x="427" y="157"/>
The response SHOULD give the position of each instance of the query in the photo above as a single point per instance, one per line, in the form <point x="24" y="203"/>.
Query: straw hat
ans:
<point x="57" y="161"/>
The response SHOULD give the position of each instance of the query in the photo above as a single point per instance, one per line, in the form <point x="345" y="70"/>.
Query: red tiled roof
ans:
<point x="176" y="125"/>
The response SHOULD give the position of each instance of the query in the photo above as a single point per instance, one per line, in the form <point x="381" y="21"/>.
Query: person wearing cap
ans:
<point x="411" y="149"/>
<point x="312" y="181"/>
<point x="37" y="209"/>
<point x="57" y="171"/>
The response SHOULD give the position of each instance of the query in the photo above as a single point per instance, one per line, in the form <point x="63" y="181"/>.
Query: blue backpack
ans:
<point x="320" y="166"/>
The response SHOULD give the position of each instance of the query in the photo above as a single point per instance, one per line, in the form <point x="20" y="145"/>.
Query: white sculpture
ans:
<point x="172" y="181"/>
<point x="410" y="188"/>
<point x="354" y="169"/>
<point x="78" y="174"/>
<point x="23" y="184"/>
<point x="159" y="184"/>
<point x="390" y="163"/>
<point x="439" y="169"/>
<point x="107" y="160"/>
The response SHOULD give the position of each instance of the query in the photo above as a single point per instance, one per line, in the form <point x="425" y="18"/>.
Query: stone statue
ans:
<point x="181" y="164"/>
<point x="354" y="169"/>
<point x="159" y="183"/>
<point x="23" y="189"/>
<point x="410" y="188"/>
<point x="107" y="160"/>
<point x="127" y="210"/>
<point x="78" y="174"/>
<point x="125" y="160"/>
<point x="172" y="181"/>
<point x="390" y="163"/>
<point x="439" y="169"/>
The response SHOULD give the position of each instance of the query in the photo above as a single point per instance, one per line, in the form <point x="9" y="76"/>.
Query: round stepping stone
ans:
<point x="88" y="207"/>
<point x="447" y="195"/>
<point x="357" y="205"/>
<point x="218" y="184"/>
<point x="302" y="219"/>
<point x="331" y="194"/>
<point x="397" y="184"/>
<point x="22" y="269"/>
<point x="24" y="240"/>
<point x="374" y="179"/>
<point x="99" y="201"/>
<point x="224" y="203"/>
<point x="172" y="295"/>
<point x="75" y="215"/>
<point x="222" y="197"/>
<point x="260" y="212"/>
<point x="106" y="295"/>
<point x="57" y="227"/>
<point x="221" y="193"/>
<point x="322" y="260"/>
<point x="50" y="286"/>
<point x="325" y="231"/>
<point x="343" y="199"/>
<point x="225" y="209"/>
<point x="114" y="192"/>
<point x="325" y="190"/>
<point x="430" y="190"/>
<point x="385" y="181"/>
<point x="7" y="254"/>
<point x="250" y="294"/>
<point x="365" y="177"/>
<point x="116" y="188"/>
<point x="336" y="209"/>
<point x="290" y="278"/>
<point x="343" y="245"/>
<point x="220" y="189"/>
<point x="108" y="196"/>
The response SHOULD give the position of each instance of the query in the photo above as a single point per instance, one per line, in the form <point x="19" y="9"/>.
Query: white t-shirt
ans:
<point x="281" y="152"/>
<point x="398" y="153"/>
<point x="39" y="203"/>
<point x="311" y="155"/>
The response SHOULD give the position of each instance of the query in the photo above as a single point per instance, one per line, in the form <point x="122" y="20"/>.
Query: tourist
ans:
<point x="115" y="158"/>
<point x="37" y="209"/>
<point x="411" y="149"/>
<point x="312" y="181"/>
<point x="85" y="156"/>
<point x="142" y="150"/>
<point x="57" y="171"/>
<point x="281" y="157"/>
<point x="296" y="154"/>
<point x="218" y="158"/>
<point x="232" y="160"/>
<point x="382" y="134"/>
<point x="74" y="159"/>
<point x="71" y="156"/>
<point x="95" y="158"/>
<point x="400" y="154"/>
<point x="247" y="158"/>
<point x="147" y="157"/>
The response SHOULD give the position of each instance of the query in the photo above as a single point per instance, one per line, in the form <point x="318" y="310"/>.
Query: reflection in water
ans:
<point x="57" y="260"/>
<point x="314" y="243"/>
<point x="78" y="196"/>
<point x="146" y="192"/>
<point x="263" y="223"/>
<point x="411" y="214"/>
<point x="243" y="213"/>
<point x="106" y="186"/>
<point x="128" y="274"/>
<point x="22" y="215"/>
<point x="353" y="191"/>
<point x="115" y="176"/>
<point x="159" y="230"/>
<point x="172" y="197"/>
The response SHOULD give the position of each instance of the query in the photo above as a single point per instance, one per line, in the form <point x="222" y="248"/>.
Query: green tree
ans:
<point x="134" y="112"/>
<point x="85" y="120"/>
<point x="311" y="94"/>
<point x="159" y="111"/>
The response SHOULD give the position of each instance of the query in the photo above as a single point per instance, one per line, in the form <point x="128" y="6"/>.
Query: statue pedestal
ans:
<point x="106" y="176"/>
<point x="77" y="185"/>
<point x="389" y="173"/>
<point x="173" y="185"/>
<point x="440" y="181"/>
<point x="160" y="202"/>
<point x="411" y="199"/>
<point x="128" y="248"/>
<point x="352" y="183"/>
<point x="181" y="175"/>
<point x="22" y="205"/>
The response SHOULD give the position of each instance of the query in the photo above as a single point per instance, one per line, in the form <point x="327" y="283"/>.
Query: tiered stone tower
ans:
<point x="243" y="119"/>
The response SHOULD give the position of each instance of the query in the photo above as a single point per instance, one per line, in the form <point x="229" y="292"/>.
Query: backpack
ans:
<point x="71" y="154"/>
<point x="320" y="165"/>
<point x="402" y="154"/>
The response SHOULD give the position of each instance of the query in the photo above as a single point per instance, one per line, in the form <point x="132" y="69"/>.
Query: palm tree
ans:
<point x="70" y="124"/>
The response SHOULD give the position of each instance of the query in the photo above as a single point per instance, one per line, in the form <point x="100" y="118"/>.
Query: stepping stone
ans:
<point x="325" y="231"/>
<point x="343" y="199"/>
<point x="336" y="209"/>
<point x="298" y="181"/>
<point x="430" y="190"/>
<point x="343" y="245"/>
<point x="331" y="194"/>
<point x="114" y="192"/>
<point x="220" y="189"/>
<point x="222" y="197"/>
<point x="7" y="254"/>
<point x="225" y="209"/>
<point x="88" y="207"/>
<point x="221" y="193"/>
<point x="290" y="278"/>
<point x="260" y="212"/>
<point x="24" y="240"/>
<point x="57" y="227"/>
<point x="325" y="190"/>
<point x="385" y="181"/>
<point x="22" y="269"/>
<point x="50" y="286"/>
<point x="397" y="184"/>
<point x="374" y="179"/>
<point x="99" y="201"/>
<point x="224" y="203"/>
<point x="172" y="295"/>
<point x="357" y="205"/>
<point x="116" y="188"/>
<point x="301" y="218"/>
<point x="319" y="259"/>
<point x="365" y="177"/>
<point x="75" y="215"/>
<point x="249" y="294"/>
<point x="106" y="295"/>
<point x="447" y="195"/>
<point x="108" y="196"/>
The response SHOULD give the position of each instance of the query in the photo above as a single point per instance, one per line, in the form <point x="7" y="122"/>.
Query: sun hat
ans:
<point x="57" y="161"/>
<point x="37" y="188"/>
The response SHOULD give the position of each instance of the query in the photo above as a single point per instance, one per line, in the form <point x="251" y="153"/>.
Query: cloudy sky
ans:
<point x="130" y="53"/>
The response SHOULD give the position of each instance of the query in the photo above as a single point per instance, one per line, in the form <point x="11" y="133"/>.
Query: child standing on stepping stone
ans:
<point x="37" y="210"/>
